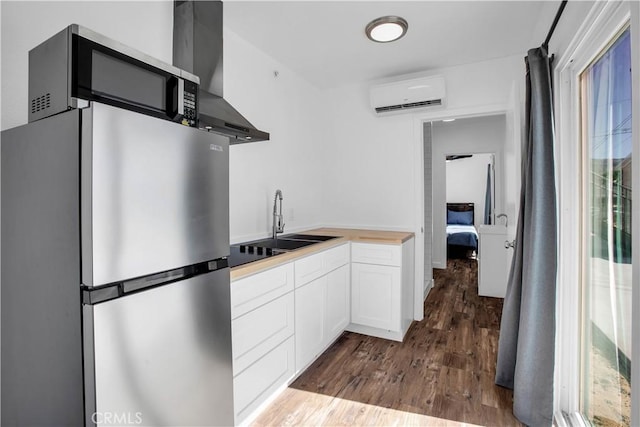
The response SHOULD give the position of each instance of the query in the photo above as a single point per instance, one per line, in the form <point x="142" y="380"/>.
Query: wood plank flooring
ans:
<point x="441" y="375"/>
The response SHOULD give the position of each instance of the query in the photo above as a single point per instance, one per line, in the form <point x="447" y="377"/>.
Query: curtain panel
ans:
<point x="526" y="346"/>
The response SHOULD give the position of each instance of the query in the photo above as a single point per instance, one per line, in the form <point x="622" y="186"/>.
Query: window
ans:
<point x="605" y="95"/>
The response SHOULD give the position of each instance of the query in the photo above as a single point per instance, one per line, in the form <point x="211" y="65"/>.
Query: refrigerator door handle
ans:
<point x="96" y="295"/>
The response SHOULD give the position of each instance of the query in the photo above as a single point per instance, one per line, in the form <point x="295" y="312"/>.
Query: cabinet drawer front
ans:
<point x="260" y="380"/>
<point x="376" y="254"/>
<point x="253" y="291"/>
<point x="314" y="266"/>
<point x="335" y="257"/>
<point x="260" y="330"/>
<point x="309" y="268"/>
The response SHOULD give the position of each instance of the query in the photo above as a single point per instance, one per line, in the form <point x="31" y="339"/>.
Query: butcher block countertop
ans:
<point x="345" y="235"/>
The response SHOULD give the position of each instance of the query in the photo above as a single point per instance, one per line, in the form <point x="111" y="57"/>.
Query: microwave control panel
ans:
<point x="190" y="116"/>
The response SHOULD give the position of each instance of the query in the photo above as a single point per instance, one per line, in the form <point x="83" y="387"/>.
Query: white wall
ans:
<point x="514" y="135"/>
<point x="466" y="180"/>
<point x="572" y="18"/>
<point x="292" y="111"/>
<point x="427" y="201"/>
<point x="371" y="179"/>
<point x="26" y="24"/>
<point x="466" y="136"/>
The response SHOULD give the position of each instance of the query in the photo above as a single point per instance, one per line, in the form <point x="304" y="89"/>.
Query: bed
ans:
<point x="462" y="236"/>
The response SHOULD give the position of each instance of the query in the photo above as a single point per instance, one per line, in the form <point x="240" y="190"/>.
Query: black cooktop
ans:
<point x="243" y="254"/>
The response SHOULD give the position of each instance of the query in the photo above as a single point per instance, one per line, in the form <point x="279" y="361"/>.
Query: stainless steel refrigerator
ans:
<point x="115" y="285"/>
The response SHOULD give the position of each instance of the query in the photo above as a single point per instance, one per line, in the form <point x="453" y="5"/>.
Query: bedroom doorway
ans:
<point x="466" y="141"/>
<point x="470" y="201"/>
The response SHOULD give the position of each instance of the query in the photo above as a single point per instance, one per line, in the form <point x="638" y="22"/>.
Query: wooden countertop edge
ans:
<point x="344" y="236"/>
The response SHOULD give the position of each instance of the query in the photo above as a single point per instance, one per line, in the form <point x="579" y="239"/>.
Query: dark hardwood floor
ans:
<point x="443" y="370"/>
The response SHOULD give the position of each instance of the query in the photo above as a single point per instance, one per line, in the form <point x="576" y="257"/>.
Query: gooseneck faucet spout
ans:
<point x="278" y="220"/>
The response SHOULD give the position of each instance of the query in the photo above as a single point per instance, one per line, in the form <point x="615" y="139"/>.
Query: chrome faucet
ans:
<point x="278" y="220"/>
<point x="506" y="219"/>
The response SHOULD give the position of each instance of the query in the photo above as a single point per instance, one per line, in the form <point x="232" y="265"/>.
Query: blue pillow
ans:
<point x="460" y="218"/>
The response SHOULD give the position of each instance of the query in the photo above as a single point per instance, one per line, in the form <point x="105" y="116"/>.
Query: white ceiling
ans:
<point x="324" y="41"/>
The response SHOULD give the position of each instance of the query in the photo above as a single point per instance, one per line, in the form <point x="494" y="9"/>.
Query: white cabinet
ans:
<point x="377" y="254"/>
<point x="285" y="317"/>
<point x="376" y="295"/>
<point x="319" y="264"/>
<point x="260" y="330"/>
<point x="261" y="380"/>
<point x="382" y="289"/>
<point x="251" y="292"/>
<point x="322" y="304"/>
<point x="493" y="261"/>
<point x="262" y="327"/>
<point x="277" y="331"/>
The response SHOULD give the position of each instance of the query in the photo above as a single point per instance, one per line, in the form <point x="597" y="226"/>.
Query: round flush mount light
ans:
<point x="386" y="29"/>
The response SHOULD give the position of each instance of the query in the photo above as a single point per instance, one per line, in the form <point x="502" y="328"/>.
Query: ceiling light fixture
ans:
<point x="386" y="29"/>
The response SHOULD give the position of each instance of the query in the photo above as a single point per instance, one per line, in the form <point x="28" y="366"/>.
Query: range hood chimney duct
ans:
<point x="198" y="49"/>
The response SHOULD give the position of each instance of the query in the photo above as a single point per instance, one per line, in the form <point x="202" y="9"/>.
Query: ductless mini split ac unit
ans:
<point x="408" y="94"/>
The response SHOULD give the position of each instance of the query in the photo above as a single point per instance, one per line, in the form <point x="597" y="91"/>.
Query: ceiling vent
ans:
<point x="408" y="94"/>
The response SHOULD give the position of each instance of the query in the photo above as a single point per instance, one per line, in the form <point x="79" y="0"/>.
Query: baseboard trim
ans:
<point x="439" y="265"/>
<point x="428" y="285"/>
<point x="378" y="332"/>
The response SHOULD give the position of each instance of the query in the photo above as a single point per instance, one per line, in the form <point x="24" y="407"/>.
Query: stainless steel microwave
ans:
<point x="78" y="65"/>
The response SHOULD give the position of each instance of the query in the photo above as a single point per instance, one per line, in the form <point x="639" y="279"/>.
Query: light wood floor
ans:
<point x="441" y="375"/>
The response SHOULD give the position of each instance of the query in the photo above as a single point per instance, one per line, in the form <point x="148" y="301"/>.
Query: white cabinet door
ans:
<point x="337" y="307"/>
<point x="375" y="296"/>
<point x="310" y="301"/>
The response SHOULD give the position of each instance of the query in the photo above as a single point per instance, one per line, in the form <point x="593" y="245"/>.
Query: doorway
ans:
<point x="470" y="201"/>
<point x="485" y="135"/>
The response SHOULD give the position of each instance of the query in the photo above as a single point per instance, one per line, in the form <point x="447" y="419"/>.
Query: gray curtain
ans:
<point x="527" y="331"/>
<point x="487" y="197"/>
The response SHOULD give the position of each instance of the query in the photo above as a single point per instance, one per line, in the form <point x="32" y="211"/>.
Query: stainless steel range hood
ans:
<point x="198" y="48"/>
